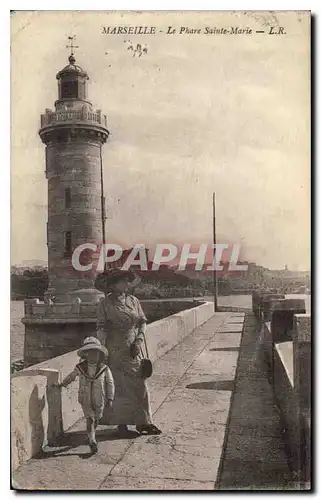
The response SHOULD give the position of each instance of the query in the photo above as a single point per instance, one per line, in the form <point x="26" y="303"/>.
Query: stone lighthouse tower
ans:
<point x="73" y="134"/>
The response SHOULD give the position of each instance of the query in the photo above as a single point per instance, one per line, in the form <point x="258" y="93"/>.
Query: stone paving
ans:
<point x="204" y="445"/>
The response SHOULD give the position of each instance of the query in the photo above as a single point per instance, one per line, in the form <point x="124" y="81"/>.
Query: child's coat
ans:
<point x="96" y="385"/>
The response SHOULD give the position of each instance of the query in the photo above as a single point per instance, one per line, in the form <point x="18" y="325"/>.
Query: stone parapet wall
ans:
<point x="285" y="331"/>
<point x="55" y="329"/>
<point x="291" y="379"/>
<point x="47" y="340"/>
<point x="35" y="309"/>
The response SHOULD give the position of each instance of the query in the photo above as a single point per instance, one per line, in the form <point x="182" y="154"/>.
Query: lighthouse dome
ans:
<point x="72" y="68"/>
<point x="72" y="81"/>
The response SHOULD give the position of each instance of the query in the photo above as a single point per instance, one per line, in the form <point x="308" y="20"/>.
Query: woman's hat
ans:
<point x="110" y="277"/>
<point x="90" y="344"/>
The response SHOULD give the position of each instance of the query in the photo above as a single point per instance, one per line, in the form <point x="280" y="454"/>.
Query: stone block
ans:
<point x="231" y="328"/>
<point x="164" y="334"/>
<point x="266" y="335"/>
<point x="269" y="301"/>
<point x="36" y="418"/>
<point x="154" y="484"/>
<point x="258" y="299"/>
<point x="71" y="410"/>
<point x="282" y="318"/>
<point x="49" y="339"/>
<point x="287" y="402"/>
<point x="302" y="359"/>
<point x="178" y="461"/>
<point x="30" y="305"/>
<point x="302" y="332"/>
<point x="255" y="301"/>
<point x="292" y="391"/>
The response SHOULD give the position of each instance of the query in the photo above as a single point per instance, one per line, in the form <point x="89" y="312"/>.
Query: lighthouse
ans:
<point x="73" y="134"/>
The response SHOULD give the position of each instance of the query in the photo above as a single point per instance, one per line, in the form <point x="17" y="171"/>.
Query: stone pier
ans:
<point x="212" y="398"/>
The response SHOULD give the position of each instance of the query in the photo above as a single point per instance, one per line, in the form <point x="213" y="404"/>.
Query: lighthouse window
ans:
<point x="67" y="198"/>
<point x="67" y="244"/>
<point x="69" y="90"/>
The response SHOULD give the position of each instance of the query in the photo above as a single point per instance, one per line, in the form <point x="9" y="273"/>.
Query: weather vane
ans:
<point x="72" y="46"/>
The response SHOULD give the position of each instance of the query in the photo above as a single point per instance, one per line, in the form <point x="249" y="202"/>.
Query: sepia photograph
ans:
<point x="160" y="304"/>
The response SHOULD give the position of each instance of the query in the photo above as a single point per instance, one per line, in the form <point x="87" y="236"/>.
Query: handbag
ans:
<point x="146" y="365"/>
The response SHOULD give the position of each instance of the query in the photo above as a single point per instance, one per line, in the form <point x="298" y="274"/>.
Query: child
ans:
<point x="96" y="385"/>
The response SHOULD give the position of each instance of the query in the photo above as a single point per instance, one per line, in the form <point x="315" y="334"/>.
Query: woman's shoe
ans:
<point x="123" y="429"/>
<point x="126" y="433"/>
<point x="149" y="429"/>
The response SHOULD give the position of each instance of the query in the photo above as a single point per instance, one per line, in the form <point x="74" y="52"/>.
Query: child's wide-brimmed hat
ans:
<point x="108" y="278"/>
<point x="90" y="344"/>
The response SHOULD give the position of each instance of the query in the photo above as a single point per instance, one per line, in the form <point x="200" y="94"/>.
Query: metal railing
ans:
<point x="52" y="117"/>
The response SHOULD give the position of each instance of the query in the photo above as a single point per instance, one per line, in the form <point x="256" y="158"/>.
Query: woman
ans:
<point x="121" y="325"/>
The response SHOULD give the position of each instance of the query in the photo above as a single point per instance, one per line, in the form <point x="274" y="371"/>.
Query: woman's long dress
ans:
<point x="117" y="329"/>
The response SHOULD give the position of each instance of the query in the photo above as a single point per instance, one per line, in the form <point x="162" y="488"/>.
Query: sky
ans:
<point x="197" y="114"/>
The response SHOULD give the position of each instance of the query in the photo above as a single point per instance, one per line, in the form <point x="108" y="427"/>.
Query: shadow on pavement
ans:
<point x="253" y="455"/>
<point x="72" y="440"/>
<point x="226" y="349"/>
<point x="215" y="385"/>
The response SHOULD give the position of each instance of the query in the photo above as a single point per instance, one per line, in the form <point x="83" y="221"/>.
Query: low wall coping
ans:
<point x="289" y="305"/>
<point x="29" y="372"/>
<point x="273" y="296"/>
<point x="83" y="312"/>
<point x="30" y="320"/>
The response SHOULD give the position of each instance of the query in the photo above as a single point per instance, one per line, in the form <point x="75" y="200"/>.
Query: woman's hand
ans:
<point x="134" y="349"/>
<point x="101" y="336"/>
<point x="109" y="403"/>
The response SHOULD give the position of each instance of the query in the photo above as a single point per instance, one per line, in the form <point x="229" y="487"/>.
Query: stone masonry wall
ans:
<point x="74" y="165"/>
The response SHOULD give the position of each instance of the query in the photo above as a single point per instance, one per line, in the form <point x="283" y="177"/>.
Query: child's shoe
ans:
<point x="93" y="447"/>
